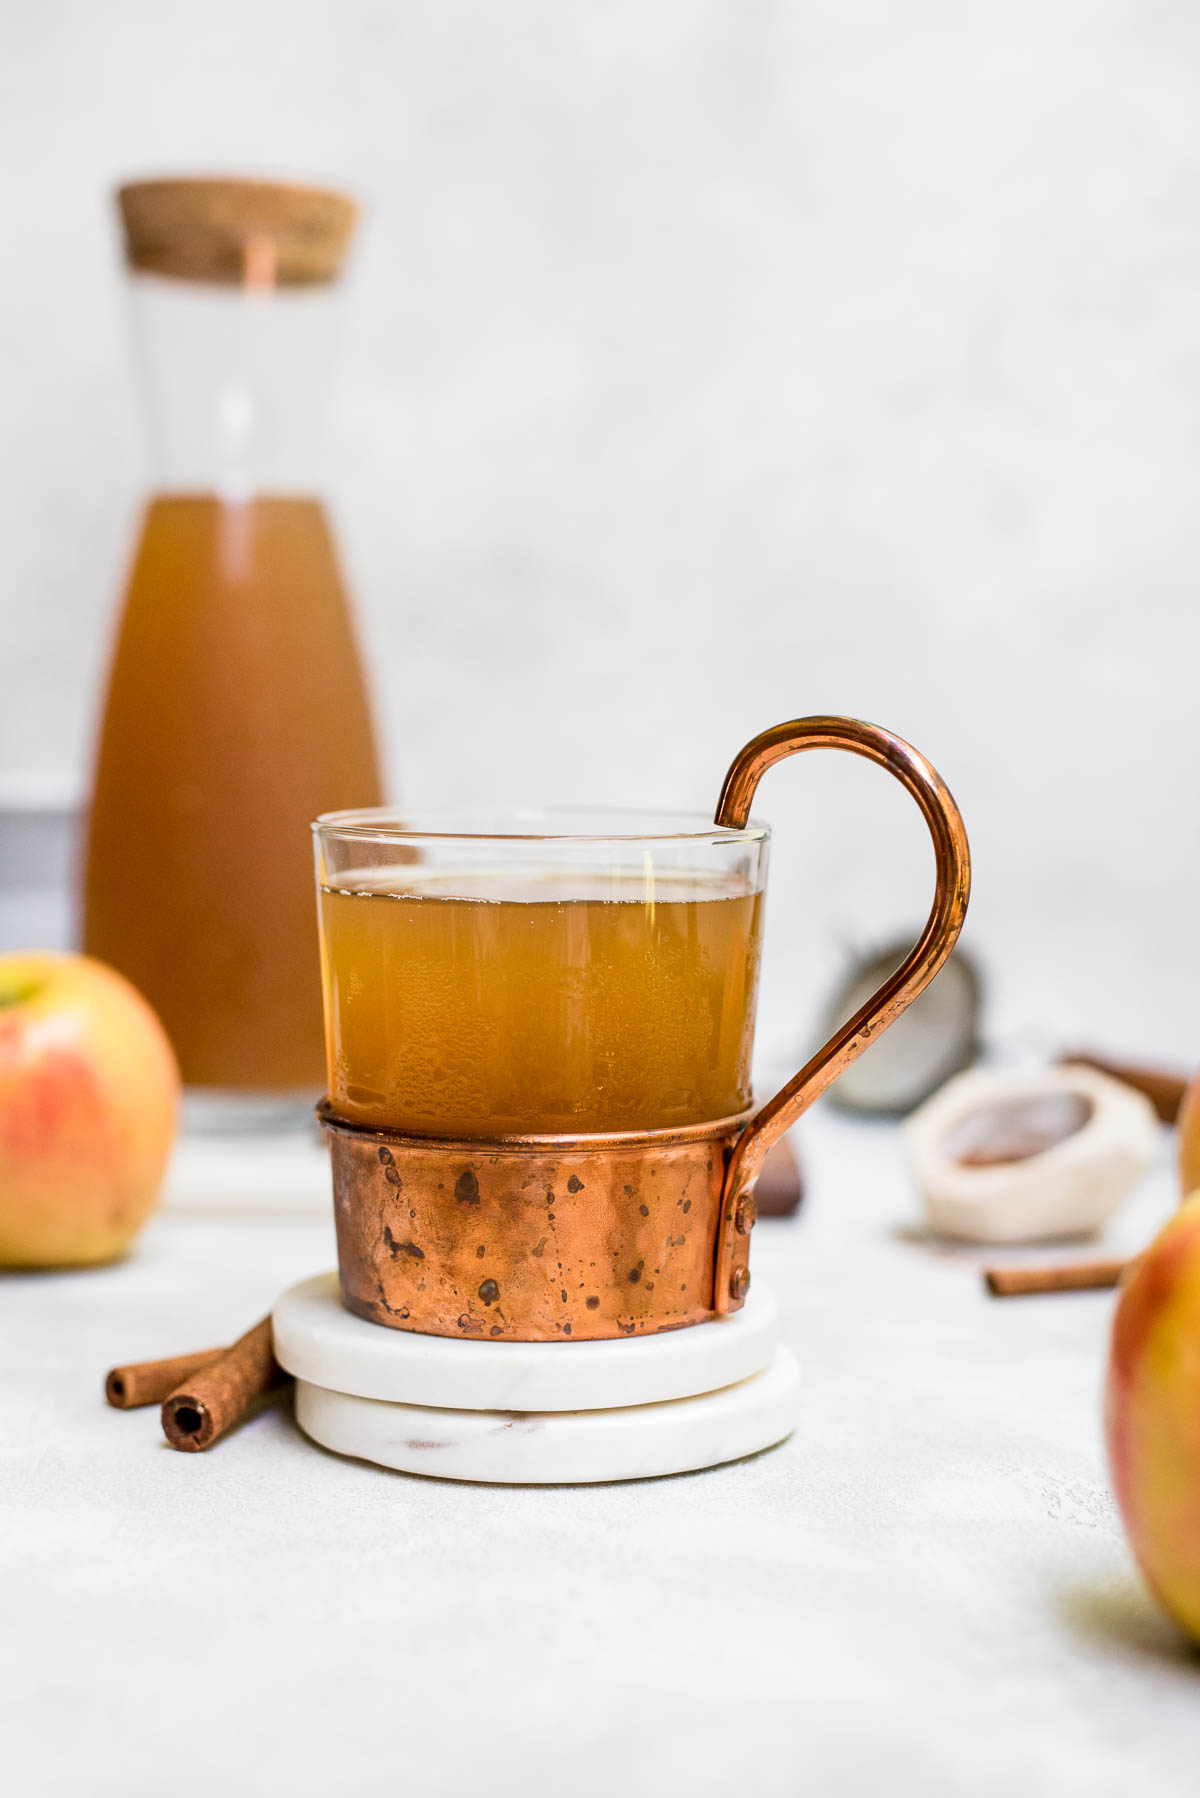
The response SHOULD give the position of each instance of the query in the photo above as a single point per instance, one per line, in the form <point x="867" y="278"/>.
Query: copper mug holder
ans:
<point x="553" y="1238"/>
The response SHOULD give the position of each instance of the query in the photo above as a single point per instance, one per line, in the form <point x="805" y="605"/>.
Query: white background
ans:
<point x="705" y="364"/>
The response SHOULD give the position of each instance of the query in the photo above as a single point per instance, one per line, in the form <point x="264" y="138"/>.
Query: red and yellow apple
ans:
<point x="89" y="1098"/>
<point x="1152" y="1413"/>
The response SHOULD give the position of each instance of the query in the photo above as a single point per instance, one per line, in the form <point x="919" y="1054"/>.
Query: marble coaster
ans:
<point x="503" y="1447"/>
<point x="321" y="1342"/>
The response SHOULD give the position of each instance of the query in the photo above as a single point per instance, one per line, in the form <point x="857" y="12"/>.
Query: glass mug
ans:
<point x="538" y="1032"/>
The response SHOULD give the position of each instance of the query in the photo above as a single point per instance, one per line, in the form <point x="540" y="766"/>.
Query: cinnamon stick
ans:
<point x="220" y="1395"/>
<point x="150" y="1382"/>
<point x="1163" y="1087"/>
<point x="1064" y="1276"/>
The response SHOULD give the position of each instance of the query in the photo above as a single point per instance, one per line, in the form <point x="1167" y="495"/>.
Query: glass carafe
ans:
<point x="236" y="707"/>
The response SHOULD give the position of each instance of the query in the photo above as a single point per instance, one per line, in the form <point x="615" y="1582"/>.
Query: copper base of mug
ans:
<point x="538" y="1238"/>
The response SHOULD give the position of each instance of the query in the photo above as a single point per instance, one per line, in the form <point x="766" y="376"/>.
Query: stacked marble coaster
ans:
<point x="540" y="1413"/>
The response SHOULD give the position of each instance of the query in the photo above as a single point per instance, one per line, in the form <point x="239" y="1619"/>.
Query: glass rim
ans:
<point x="384" y="823"/>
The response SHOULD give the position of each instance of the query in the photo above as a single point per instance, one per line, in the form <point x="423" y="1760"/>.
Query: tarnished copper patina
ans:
<point x="537" y="1238"/>
<point x="559" y="1238"/>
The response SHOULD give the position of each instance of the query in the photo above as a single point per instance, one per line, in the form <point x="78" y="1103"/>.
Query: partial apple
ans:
<point x="1152" y="1414"/>
<point x="89" y="1100"/>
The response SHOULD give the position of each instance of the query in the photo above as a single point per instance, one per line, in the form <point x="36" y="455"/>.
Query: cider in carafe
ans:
<point x="236" y="710"/>
<point x="236" y="707"/>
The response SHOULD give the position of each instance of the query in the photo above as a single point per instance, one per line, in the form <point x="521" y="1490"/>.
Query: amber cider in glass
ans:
<point x="527" y="1003"/>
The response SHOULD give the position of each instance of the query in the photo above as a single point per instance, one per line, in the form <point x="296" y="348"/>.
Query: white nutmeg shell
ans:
<point x="1006" y="1156"/>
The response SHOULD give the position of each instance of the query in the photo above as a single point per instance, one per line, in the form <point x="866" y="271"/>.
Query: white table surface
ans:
<point x="925" y="1591"/>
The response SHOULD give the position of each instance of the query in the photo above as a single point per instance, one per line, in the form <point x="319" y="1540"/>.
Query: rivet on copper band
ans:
<point x="747" y="1216"/>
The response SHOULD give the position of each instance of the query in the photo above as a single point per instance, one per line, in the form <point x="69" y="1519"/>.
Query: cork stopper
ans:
<point x="237" y="232"/>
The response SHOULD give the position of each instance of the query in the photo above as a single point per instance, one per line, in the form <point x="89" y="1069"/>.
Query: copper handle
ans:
<point x="953" y="859"/>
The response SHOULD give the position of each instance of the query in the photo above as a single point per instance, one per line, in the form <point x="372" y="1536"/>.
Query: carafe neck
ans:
<point x="236" y="383"/>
